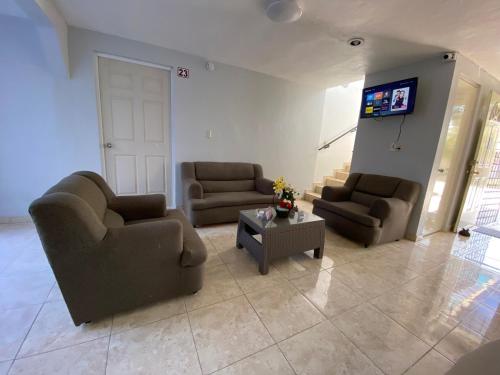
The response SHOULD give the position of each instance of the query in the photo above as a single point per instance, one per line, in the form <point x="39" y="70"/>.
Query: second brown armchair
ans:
<point x="369" y="208"/>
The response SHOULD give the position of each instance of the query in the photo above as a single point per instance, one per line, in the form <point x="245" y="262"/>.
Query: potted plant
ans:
<point x="286" y="197"/>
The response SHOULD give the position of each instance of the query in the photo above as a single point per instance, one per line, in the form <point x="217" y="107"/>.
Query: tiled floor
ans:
<point x="404" y="307"/>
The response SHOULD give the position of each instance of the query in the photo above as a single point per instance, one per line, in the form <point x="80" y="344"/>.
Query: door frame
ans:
<point x="471" y="160"/>
<point x="169" y="167"/>
<point x="453" y="199"/>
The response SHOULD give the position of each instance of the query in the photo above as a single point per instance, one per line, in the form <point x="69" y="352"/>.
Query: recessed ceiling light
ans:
<point x="356" y="42"/>
<point x="284" y="11"/>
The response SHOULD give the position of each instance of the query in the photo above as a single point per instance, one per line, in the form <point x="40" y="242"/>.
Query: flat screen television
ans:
<point x="389" y="99"/>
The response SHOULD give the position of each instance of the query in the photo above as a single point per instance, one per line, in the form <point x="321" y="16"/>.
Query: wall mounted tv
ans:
<point x="390" y="99"/>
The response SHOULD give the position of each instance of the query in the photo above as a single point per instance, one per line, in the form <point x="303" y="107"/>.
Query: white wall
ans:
<point x="49" y="125"/>
<point x="340" y="113"/>
<point x="421" y="131"/>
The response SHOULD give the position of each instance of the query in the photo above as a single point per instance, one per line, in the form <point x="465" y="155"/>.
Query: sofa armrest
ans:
<point x="137" y="207"/>
<point x="383" y="208"/>
<point x="145" y="245"/>
<point x="192" y="189"/>
<point x="264" y="186"/>
<point x="335" y="194"/>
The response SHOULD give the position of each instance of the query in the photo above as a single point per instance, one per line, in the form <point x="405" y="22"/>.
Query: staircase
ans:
<point x="338" y="179"/>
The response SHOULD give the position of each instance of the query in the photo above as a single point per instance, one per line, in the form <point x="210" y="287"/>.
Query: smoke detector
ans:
<point x="284" y="11"/>
<point x="356" y="42"/>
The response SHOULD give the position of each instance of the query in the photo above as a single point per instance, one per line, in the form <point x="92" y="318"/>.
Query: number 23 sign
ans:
<point x="182" y="72"/>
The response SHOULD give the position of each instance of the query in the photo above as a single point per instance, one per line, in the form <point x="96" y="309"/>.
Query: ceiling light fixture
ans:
<point x="284" y="11"/>
<point x="356" y="42"/>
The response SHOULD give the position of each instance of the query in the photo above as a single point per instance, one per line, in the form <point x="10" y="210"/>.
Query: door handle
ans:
<point x="108" y="145"/>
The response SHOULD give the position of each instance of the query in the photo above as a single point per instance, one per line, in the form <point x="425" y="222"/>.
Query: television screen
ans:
<point x="390" y="99"/>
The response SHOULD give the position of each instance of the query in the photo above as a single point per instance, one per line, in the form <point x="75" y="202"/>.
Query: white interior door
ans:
<point x="135" y="110"/>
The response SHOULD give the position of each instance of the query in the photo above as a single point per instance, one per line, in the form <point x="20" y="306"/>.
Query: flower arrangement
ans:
<point x="286" y="194"/>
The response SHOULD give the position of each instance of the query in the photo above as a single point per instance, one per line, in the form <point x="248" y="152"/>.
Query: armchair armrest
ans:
<point x="264" y="186"/>
<point x="335" y="194"/>
<point x="136" y="207"/>
<point x="192" y="189"/>
<point x="145" y="244"/>
<point x="383" y="208"/>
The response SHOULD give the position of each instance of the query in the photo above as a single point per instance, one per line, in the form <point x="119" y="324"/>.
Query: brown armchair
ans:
<point x="369" y="208"/>
<point x="110" y="254"/>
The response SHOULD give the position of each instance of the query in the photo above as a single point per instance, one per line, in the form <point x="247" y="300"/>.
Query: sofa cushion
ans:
<point x="349" y="210"/>
<point x="383" y="186"/>
<point x="112" y="219"/>
<point x="363" y="198"/>
<point x="212" y="200"/>
<point x="194" y="251"/>
<point x="85" y="189"/>
<point x="226" y="186"/>
<point x="215" y="171"/>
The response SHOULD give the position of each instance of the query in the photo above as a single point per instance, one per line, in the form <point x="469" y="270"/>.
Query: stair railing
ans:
<point x="338" y="137"/>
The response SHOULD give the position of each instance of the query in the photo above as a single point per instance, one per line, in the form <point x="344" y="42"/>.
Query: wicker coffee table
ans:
<point x="280" y="237"/>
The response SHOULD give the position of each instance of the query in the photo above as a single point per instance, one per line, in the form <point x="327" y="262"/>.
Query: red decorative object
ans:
<point x="284" y="204"/>
<point x="182" y="72"/>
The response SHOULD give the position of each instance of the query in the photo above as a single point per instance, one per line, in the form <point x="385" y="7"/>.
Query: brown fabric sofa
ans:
<point x="369" y="208"/>
<point x="111" y="254"/>
<point x="216" y="192"/>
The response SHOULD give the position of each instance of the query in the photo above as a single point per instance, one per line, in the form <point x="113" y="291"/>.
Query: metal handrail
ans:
<point x="326" y="145"/>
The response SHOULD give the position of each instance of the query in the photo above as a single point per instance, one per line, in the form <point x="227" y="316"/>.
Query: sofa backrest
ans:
<point x="368" y="187"/>
<point x="70" y="214"/>
<point x="217" y="177"/>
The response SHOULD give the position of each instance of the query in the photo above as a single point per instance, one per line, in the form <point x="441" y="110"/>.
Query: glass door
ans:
<point x="481" y="203"/>
<point x="464" y="103"/>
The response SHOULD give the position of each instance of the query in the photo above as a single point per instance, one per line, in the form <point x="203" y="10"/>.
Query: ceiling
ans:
<point x="312" y="50"/>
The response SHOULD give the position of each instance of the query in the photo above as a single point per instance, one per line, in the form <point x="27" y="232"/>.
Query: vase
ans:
<point x="282" y="212"/>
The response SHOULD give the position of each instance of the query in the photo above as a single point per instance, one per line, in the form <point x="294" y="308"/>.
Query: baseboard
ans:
<point x="15" y="219"/>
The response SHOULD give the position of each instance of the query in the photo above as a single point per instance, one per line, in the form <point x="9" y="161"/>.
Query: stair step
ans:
<point x="311" y="195"/>
<point x="341" y="174"/>
<point x="318" y="187"/>
<point x="332" y="181"/>
<point x="347" y="166"/>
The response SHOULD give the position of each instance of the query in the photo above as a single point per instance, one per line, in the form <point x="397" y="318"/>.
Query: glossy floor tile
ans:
<point x="87" y="358"/>
<point x="14" y="325"/>
<point x="459" y="342"/>
<point x="269" y="361"/>
<point x="432" y="363"/>
<point x="54" y="329"/>
<point x="284" y="311"/>
<point x="163" y="347"/>
<point x="404" y="307"/>
<point x="148" y="314"/>
<point x="227" y="332"/>
<point x="4" y="367"/>
<point x="392" y="348"/>
<point x="421" y="317"/>
<point x="323" y="349"/>
<point x="327" y="293"/>
<point x="218" y="286"/>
